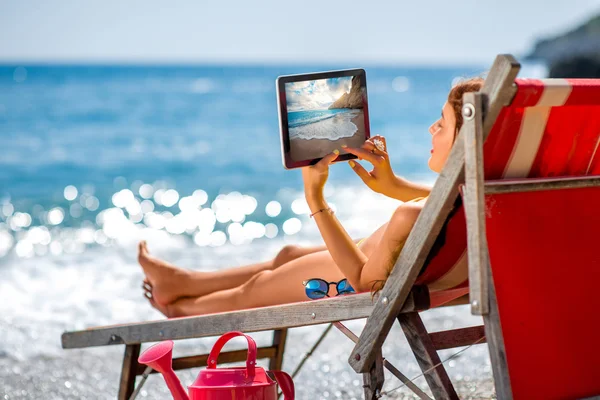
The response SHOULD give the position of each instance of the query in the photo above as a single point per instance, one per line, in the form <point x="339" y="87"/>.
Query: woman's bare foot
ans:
<point x="167" y="310"/>
<point x="164" y="282"/>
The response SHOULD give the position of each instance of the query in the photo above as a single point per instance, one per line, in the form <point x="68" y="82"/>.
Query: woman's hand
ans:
<point x="381" y="179"/>
<point x="315" y="176"/>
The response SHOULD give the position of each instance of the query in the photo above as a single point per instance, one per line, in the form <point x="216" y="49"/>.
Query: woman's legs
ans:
<point x="169" y="283"/>
<point x="265" y="288"/>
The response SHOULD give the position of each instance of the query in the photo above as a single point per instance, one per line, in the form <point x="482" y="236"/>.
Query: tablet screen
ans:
<point x="323" y="115"/>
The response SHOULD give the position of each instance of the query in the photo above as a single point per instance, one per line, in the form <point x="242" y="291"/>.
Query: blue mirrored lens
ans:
<point x="316" y="289"/>
<point x="343" y="287"/>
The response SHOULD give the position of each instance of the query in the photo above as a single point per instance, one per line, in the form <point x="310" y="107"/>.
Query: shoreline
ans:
<point x="308" y="149"/>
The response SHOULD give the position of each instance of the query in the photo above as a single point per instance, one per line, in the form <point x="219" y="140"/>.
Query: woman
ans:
<point x="366" y="264"/>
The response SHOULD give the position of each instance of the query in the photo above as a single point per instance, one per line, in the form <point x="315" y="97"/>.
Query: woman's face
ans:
<point x="442" y="137"/>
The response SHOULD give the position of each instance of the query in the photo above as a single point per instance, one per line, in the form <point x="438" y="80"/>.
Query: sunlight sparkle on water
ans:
<point x="206" y="220"/>
<point x="292" y="226"/>
<point x="6" y="242"/>
<point x="236" y="234"/>
<point x="300" y="206"/>
<point x="217" y="238"/>
<point x="92" y="203"/>
<point x="124" y="221"/>
<point x="146" y="191"/>
<point x="147" y="206"/>
<point x="271" y="230"/>
<point x="201" y="195"/>
<point x="7" y="209"/>
<point x="273" y="208"/>
<point x="70" y="192"/>
<point x="122" y="198"/>
<point x="19" y="220"/>
<point x="39" y="235"/>
<point x="202" y="239"/>
<point x="254" y="230"/>
<point x="56" y="216"/>
<point x="170" y="198"/>
<point x="158" y="196"/>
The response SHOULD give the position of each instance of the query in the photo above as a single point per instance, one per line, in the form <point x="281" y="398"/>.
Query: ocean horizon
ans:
<point x="95" y="158"/>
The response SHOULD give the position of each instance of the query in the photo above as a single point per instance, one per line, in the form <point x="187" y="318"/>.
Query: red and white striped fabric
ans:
<point x="551" y="129"/>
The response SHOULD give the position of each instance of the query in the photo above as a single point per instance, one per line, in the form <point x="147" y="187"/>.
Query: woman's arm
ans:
<point x="383" y="258"/>
<point x="344" y="251"/>
<point x="382" y="179"/>
<point x="361" y="271"/>
<point x="405" y="190"/>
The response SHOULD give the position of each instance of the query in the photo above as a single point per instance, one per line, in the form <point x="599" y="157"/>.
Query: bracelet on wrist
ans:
<point x="321" y="210"/>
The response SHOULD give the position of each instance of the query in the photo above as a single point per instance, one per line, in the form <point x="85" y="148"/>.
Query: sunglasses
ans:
<point x="317" y="288"/>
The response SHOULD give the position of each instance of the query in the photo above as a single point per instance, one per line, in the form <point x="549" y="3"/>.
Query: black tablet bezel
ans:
<point x="288" y="163"/>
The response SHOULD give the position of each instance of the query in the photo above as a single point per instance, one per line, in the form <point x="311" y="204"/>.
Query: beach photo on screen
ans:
<point x="323" y="115"/>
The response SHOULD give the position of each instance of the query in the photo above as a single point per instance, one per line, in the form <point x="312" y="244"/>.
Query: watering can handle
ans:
<point x="286" y="384"/>
<point x="216" y="350"/>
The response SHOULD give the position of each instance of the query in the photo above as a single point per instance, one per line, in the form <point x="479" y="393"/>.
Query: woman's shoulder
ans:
<point x="411" y="209"/>
<point x="417" y="202"/>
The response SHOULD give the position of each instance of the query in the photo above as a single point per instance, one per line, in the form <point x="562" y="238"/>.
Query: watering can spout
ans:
<point x="160" y="358"/>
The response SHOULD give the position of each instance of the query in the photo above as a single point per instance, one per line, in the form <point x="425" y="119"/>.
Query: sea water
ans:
<point x="95" y="158"/>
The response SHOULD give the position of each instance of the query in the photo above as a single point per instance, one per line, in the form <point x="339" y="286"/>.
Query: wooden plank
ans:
<point x="498" y="91"/>
<point x="532" y="185"/>
<point x="493" y="334"/>
<point x="474" y="202"/>
<point x="224" y="358"/>
<point x="457" y="337"/>
<point x="340" y="308"/>
<point x="374" y="379"/>
<point x="128" y="371"/>
<point x="427" y="356"/>
<point x="279" y="339"/>
<point x="390" y="367"/>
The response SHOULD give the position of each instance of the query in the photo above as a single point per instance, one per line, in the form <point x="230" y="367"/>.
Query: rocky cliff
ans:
<point x="354" y="99"/>
<point x="574" y="54"/>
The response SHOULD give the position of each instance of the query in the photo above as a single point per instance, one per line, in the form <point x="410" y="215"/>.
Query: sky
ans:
<point x="274" y="31"/>
<point x="319" y="94"/>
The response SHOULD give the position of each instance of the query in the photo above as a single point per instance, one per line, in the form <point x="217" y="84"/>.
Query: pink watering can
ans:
<point x="250" y="382"/>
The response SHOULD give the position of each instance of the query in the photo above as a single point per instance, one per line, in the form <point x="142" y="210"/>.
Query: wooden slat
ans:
<point x="390" y="367"/>
<point x="474" y="203"/>
<point x="532" y="185"/>
<point x="341" y="308"/>
<point x="374" y="379"/>
<point x="457" y="337"/>
<point x="224" y="358"/>
<point x="493" y="334"/>
<point x="279" y="339"/>
<point x="498" y="91"/>
<point x="427" y="356"/>
<point x="128" y="371"/>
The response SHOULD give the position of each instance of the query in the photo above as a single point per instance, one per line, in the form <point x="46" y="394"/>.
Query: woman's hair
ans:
<point x="456" y="94"/>
<point x="455" y="100"/>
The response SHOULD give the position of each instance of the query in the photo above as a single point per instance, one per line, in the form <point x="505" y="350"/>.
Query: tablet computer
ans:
<point x="320" y="112"/>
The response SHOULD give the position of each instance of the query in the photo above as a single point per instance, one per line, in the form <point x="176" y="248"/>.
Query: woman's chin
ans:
<point x="432" y="165"/>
